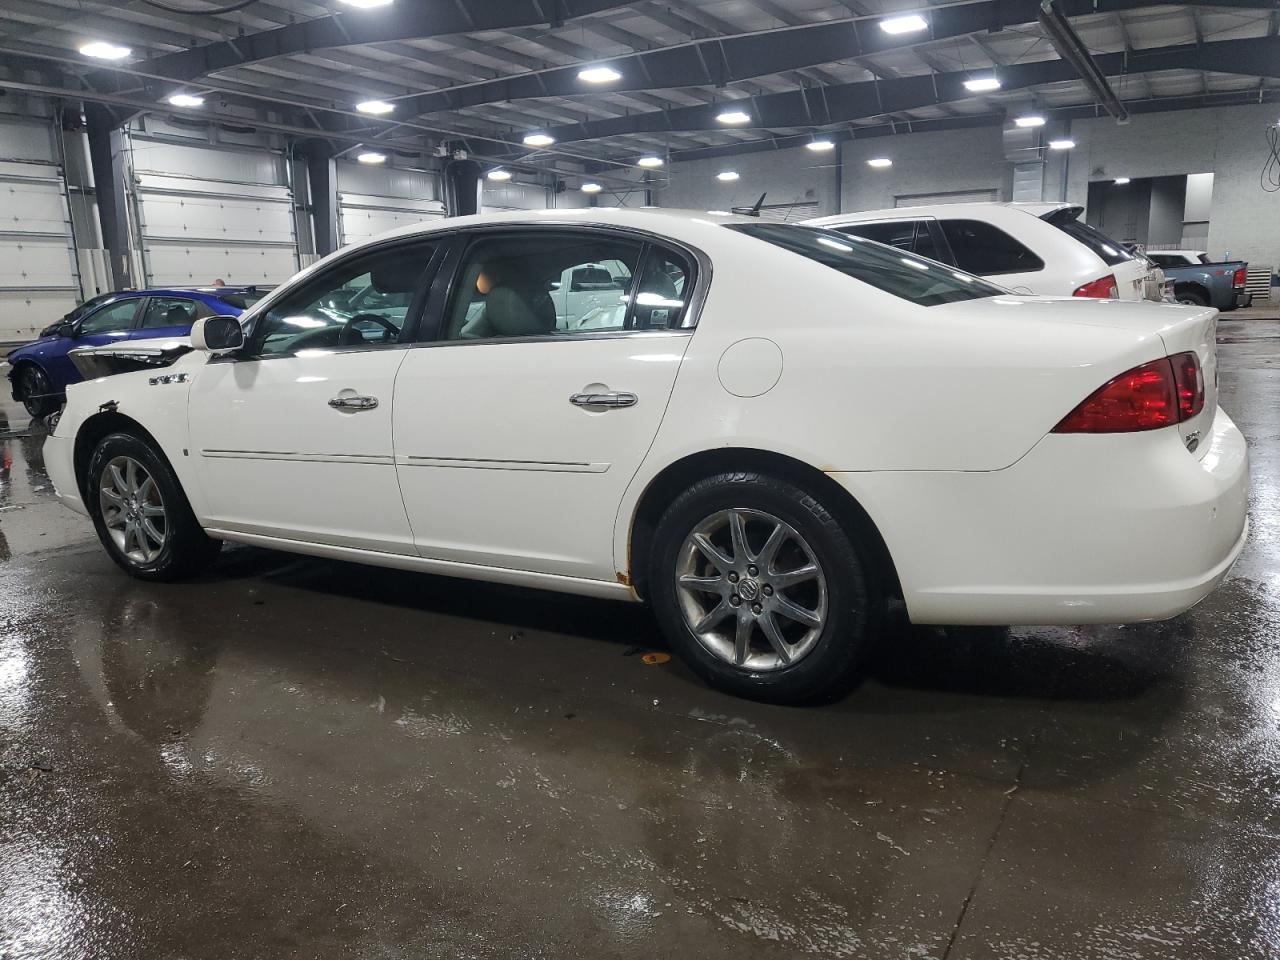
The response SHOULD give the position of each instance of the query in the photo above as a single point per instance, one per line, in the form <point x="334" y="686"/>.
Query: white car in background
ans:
<point x="1031" y="248"/>
<point x="783" y="429"/>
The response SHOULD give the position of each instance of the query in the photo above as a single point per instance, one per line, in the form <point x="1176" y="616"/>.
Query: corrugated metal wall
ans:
<point x="39" y="279"/>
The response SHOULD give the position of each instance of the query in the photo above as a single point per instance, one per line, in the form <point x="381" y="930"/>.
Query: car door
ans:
<point x="167" y="316"/>
<point x="516" y="438"/>
<point x="108" y="324"/>
<point x="292" y="436"/>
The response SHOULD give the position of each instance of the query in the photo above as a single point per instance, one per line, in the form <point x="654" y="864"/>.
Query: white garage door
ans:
<point x="38" y="277"/>
<point x="210" y="213"/>
<point x="958" y="196"/>
<point x="374" y="199"/>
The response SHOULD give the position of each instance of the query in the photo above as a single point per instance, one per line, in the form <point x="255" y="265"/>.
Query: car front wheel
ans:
<point x="141" y="514"/>
<point x="762" y="590"/>
<point x="36" y="391"/>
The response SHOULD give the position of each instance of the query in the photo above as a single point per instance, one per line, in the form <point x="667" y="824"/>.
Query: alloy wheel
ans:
<point x="133" y="510"/>
<point x="751" y="589"/>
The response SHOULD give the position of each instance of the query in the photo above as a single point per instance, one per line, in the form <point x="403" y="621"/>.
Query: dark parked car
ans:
<point x="40" y="371"/>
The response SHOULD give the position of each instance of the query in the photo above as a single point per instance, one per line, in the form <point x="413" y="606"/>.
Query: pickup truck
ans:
<point x="1198" y="281"/>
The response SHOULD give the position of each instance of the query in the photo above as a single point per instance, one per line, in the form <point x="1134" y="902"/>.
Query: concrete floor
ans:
<point x="305" y="759"/>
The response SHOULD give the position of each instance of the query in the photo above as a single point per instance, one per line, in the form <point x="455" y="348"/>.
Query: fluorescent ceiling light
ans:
<point x="499" y="174"/>
<point x="649" y="162"/>
<point x="591" y="188"/>
<point x="371" y="156"/>
<point x="734" y="116"/>
<point x="186" y="100"/>
<point x="538" y="140"/>
<point x="1121" y="181"/>
<point x="366" y="4"/>
<point x="101" y="50"/>
<point x="599" y="75"/>
<point x="1061" y="144"/>
<point x="727" y="176"/>
<point x="820" y="146"/>
<point x="982" y="84"/>
<point x="912" y="23"/>
<point x="1030" y="121"/>
<point x="376" y="107"/>
<point x="879" y="162"/>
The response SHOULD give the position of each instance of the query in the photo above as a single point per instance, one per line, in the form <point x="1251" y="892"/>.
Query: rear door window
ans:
<point x="986" y="250"/>
<point x="169" y="312"/>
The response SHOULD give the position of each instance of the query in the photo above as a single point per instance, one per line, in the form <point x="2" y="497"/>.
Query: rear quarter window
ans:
<point x="894" y="271"/>
<point x="984" y="249"/>
<point x="1111" y="252"/>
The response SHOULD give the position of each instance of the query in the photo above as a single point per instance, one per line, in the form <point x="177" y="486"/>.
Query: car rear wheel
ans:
<point x="762" y="590"/>
<point x="141" y="514"/>
<point x="36" y="391"/>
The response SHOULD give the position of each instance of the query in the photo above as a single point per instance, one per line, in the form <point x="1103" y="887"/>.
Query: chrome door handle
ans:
<point x="612" y="399"/>
<point x="353" y="403"/>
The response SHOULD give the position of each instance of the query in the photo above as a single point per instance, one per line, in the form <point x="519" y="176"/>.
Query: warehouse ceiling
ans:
<point x="489" y="72"/>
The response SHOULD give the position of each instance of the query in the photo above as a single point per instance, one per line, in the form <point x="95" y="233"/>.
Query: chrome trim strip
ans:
<point x="303" y="457"/>
<point x="550" y="466"/>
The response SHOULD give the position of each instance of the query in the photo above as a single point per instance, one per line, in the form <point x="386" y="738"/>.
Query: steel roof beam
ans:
<point x="822" y="106"/>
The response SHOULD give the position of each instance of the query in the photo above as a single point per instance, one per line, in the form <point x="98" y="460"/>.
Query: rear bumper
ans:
<point x="1243" y="299"/>
<point x="1084" y="529"/>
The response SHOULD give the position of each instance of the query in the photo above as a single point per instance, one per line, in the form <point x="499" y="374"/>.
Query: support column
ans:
<point x="322" y="185"/>
<point x="106" y="157"/>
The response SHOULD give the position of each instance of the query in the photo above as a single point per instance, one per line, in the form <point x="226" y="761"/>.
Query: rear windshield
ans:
<point x="241" y="301"/>
<point x="886" y="268"/>
<point x="1097" y="241"/>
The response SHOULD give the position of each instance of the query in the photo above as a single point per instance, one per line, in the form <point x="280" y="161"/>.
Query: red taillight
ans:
<point x="1239" y="278"/>
<point x="1104" y="288"/>
<point x="1157" y="394"/>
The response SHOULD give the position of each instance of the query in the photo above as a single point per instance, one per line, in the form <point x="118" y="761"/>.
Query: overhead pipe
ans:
<point x="1072" y="49"/>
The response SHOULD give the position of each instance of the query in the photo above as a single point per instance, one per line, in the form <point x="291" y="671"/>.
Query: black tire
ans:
<point x="36" y="391"/>
<point x="853" y="602"/>
<point x="1190" y="298"/>
<point x="185" y="549"/>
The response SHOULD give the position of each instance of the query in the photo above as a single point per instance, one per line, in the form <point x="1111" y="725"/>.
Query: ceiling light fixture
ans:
<point x="591" y="188"/>
<point x="499" y="175"/>
<point x="366" y="4"/>
<point x="599" y="75"/>
<point x="1033" y="120"/>
<point x="649" y="162"/>
<point x="186" y="100"/>
<point x="375" y="107"/>
<point x="982" y="84"/>
<point x="820" y="146"/>
<point x="371" y="156"/>
<point x="734" y="117"/>
<point x="1121" y="181"/>
<point x="912" y="23"/>
<point x="879" y="162"/>
<point x="727" y="176"/>
<point x="1061" y="144"/>
<point x="538" y="140"/>
<point x="100" y="50"/>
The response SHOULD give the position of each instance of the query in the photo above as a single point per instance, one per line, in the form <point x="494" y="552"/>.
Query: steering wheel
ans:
<point x="349" y="335"/>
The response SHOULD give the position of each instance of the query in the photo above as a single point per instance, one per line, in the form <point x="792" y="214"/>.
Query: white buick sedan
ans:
<point x="767" y="432"/>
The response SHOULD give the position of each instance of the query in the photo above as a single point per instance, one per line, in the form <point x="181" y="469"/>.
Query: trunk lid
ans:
<point x="1136" y="277"/>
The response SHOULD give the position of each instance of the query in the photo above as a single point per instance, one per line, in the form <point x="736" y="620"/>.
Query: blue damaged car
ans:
<point x="40" y="371"/>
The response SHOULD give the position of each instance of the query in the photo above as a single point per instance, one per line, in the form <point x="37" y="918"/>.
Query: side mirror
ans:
<point x="65" y="330"/>
<point x="217" y="335"/>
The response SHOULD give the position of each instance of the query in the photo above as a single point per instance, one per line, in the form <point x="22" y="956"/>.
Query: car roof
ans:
<point x="944" y="209"/>
<point x="669" y="221"/>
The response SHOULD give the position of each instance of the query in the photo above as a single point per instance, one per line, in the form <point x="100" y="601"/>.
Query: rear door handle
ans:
<point x="353" y="403"/>
<point x="611" y="399"/>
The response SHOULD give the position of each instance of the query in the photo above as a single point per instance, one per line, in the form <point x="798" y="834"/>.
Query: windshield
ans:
<point x="905" y="275"/>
